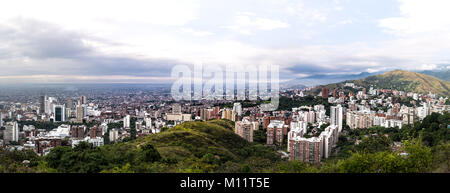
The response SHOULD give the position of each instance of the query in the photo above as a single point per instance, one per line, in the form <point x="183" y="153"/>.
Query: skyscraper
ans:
<point x="237" y="107"/>
<point x="244" y="129"/>
<point x="11" y="132"/>
<point x="126" y="121"/>
<point x="336" y="116"/>
<point x="275" y="132"/>
<point x="83" y="100"/>
<point x="69" y="104"/>
<point x="42" y="105"/>
<point x="80" y="112"/>
<point x="60" y="112"/>
<point x="324" y="92"/>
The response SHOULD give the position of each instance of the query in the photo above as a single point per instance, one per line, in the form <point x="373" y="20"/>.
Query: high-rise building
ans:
<point x="245" y="129"/>
<point x="237" y="107"/>
<point x="176" y="108"/>
<point x="113" y="135"/>
<point x="48" y="106"/>
<point x="1" y="119"/>
<point x="275" y="132"/>
<point x="77" y="132"/>
<point x="362" y="120"/>
<point x="95" y="132"/>
<point x="11" y="132"/>
<point x="298" y="129"/>
<point x="148" y="122"/>
<point x="126" y="122"/>
<point x="329" y="138"/>
<point x="306" y="149"/>
<point x="68" y="113"/>
<point x="313" y="149"/>
<point x="69" y="104"/>
<point x="60" y="112"/>
<point x="337" y="116"/>
<point x="42" y="103"/>
<point x="227" y="114"/>
<point x="83" y="100"/>
<point x="324" y="92"/>
<point x="81" y="112"/>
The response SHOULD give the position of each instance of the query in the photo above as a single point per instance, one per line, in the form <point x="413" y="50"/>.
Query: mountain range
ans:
<point x="441" y="74"/>
<point x="323" y="79"/>
<point x="398" y="79"/>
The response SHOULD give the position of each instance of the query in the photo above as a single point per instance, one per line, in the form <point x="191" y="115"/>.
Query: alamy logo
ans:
<point x="214" y="83"/>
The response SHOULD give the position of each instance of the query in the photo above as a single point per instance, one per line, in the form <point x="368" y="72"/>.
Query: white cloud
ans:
<point x="91" y="15"/>
<point x="246" y="23"/>
<point x="422" y="33"/>
<point x="418" y="17"/>
<point x="140" y="31"/>
<point x="196" y="32"/>
<point x="306" y="14"/>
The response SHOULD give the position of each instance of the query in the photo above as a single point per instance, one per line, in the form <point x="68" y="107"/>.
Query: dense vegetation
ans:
<point x="213" y="147"/>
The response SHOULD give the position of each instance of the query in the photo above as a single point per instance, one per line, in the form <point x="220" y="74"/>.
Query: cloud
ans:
<point x="39" y="49"/>
<point x="421" y="33"/>
<point x="142" y="40"/>
<point x="247" y="23"/>
<point x="418" y="17"/>
<point x="306" y="14"/>
<point x="97" y="14"/>
<point x="196" y="32"/>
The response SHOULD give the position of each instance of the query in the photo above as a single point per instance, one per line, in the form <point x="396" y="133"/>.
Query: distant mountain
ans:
<point x="324" y="79"/>
<point x="441" y="74"/>
<point x="400" y="80"/>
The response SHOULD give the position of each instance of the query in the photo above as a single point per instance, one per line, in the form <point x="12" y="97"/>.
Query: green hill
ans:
<point x="190" y="147"/>
<point x="409" y="81"/>
<point x="400" y="80"/>
<point x="197" y="139"/>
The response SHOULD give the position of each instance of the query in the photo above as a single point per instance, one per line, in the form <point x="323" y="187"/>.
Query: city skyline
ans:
<point x="140" y="41"/>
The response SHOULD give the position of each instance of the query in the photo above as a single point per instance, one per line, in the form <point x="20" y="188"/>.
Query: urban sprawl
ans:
<point x="308" y="133"/>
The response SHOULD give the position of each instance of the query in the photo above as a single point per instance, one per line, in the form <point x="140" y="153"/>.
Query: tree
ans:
<point x="419" y="156"/>
<point x="150" y="154"/>
<point x="374" y="144"/>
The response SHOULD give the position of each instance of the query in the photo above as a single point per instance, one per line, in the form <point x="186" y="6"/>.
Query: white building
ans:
<point x="393" y="123"/>
<point x="96" y="142"/>
<point x="11" y="132"/>
<point x="61" y="132"/>
<point x="336" y="116"/>
<point x="237" y="107"/>
<point x="104" y="128"/>
<point x="329" y="137"/>
<point x="126" y="121"/>
<point x="298" y="129"/>
<point x="113" y="135"/>
<point x="423" y="111"/>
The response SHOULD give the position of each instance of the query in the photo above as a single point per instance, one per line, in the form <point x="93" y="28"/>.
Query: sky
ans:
<point x="140" y="41"/>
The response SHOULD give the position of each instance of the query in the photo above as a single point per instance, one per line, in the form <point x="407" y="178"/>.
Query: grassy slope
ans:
<point x="411" y="81"/>
<point x="401" y="80"/>
<point x="197" y="138"/>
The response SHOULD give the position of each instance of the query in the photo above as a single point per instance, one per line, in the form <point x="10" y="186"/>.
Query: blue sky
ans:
<point x="59" y="41"/>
